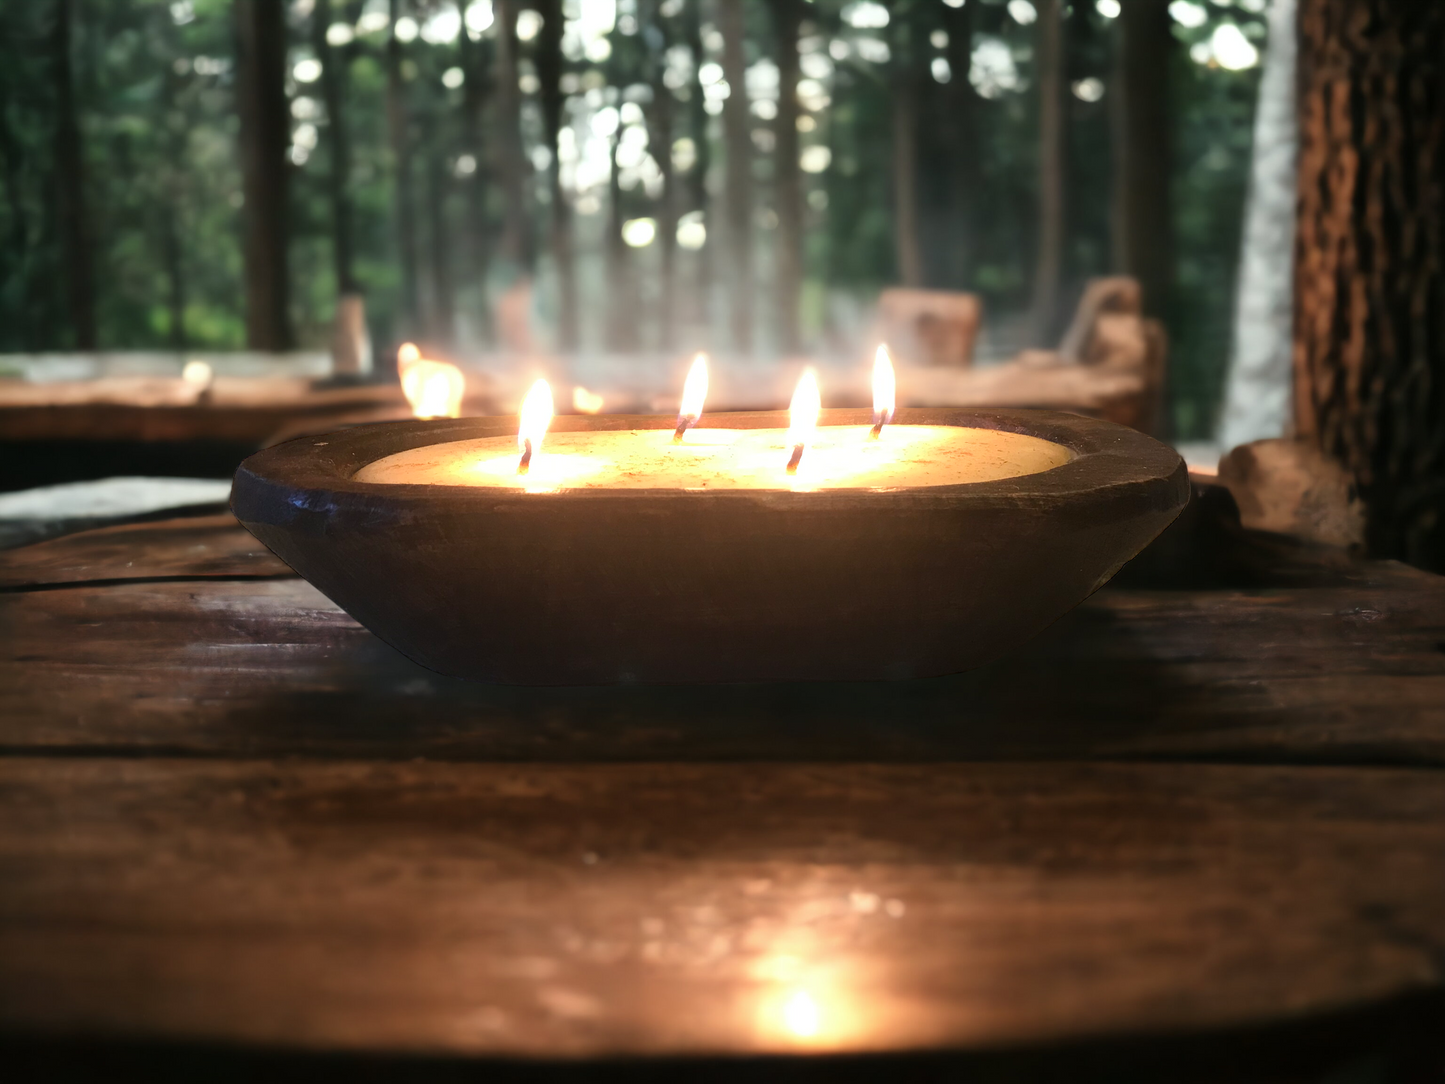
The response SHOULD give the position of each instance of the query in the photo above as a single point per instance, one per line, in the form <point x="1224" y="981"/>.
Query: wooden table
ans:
<point x="1188" y="830"/>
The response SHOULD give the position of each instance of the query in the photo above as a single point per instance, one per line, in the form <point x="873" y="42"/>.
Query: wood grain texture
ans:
<point x="1348" y="672"/>
<point x="200" y="547"/>
<point x="587" y="910"/>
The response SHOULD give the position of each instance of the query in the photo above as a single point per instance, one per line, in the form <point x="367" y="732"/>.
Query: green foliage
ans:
<point x="154" y="90"/>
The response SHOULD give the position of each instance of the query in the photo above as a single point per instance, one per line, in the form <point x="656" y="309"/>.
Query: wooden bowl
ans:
<point x="600" y="587"/>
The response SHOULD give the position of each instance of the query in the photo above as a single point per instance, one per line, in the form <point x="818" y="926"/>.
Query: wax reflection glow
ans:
<point x="841" y="457"/>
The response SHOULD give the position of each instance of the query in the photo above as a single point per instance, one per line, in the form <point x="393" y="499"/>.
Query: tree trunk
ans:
<point x="962" y="122"/>
<point x="442" y="323"/>
<point x="698" y="125"/>
<point x="660" y="122"/>
<point x="906" y="99"/>
<point x="788" y="179"/>
<point x="265" y="134"/>
<point x="70" y="167"/>
<point x="333" y="78"/>
<point x="1053" y="134"/>
<point x="474" y="101"/>
<point x="1370" y="261"/>
<point x="1258" y="397"/>
<point x="517" y="230"/>
<point x="739" y="197"/>
<point x="1143" y="150"/>
<point x="549" y="73"/>
<point x="622" y="297"/>
<point x="397" y="123"/>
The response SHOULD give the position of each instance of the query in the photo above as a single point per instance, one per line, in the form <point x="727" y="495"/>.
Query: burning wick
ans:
<point x="802" y="417"/>
<point x="532" y="426"/>
<point x="883" y="391"/>
<point x="694" y="392"/>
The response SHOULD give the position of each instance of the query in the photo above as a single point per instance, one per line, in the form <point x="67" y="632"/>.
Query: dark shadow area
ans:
<point x="31" y="463"/>
<point x="1396" y="1042"/>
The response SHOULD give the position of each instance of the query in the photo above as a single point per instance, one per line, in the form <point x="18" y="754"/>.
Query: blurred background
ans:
<point x="604" y="182"/>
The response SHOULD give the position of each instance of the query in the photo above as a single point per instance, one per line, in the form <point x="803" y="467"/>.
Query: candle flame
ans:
<point x="433" y="388"/>
<point x="536" y="415"/>
<point x="694" y="391"/>
<point x="802" y="417"/>
<point x="884" y="389"/>
<point x="586" y="402"/>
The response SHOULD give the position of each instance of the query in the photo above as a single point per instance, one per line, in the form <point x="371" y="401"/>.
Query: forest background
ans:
<point x="635" y="160"/>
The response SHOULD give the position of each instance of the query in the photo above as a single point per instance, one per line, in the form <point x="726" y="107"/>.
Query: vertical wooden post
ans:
<point x="397" y="123"/>
<point x="1369" y="351"/>
<point x="265" y="134"/>
<point x="1053" y="136"/>
<point x="738" y="199"/>
<point x="1143" y="150"/>
<point x="549" y="74"/>
<point x="788" y="178"/>
<point x="70" y="187"/>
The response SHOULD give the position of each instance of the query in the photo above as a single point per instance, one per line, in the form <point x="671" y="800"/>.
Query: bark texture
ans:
<point x="1369" y="283"/>
<point x="1258" y="396"/>
<point x="265" y="134"/>
<point x="1143" y="150"/>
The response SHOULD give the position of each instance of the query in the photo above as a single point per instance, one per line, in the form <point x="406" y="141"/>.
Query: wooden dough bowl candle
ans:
<point x="621" y="556"/>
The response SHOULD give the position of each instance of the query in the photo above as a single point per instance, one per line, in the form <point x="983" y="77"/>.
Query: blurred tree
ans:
<point x="657" y="33"/>
<point x="398" y="124"/>
<point x="516" y="241"/>
<point x="1143" y="150"/>
<point x="702" y="154"/>
<point x="738" y="193"/>
<point x="70" y="187"/>
<point x="1053" y="149"/>
<point x="333" y="82"/>
<point x="475" y="100"/>
<point x="265" y="135"/>
<point x="550" y="70"/>
<point x="1370" y="261"/>
<point x="788" y="178"/>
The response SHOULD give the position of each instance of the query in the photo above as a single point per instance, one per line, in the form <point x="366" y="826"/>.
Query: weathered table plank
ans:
<point x="585" y="910"/>
<point x="213" y="546"/>
<point x="1342" y="674"/>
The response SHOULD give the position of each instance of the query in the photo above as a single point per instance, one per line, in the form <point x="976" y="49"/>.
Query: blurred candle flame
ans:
<point x="536" y="416"/>
<point x="694" y="394"/>
<point x="586" y="402"/>
<point x="884" y="390"/>
<point x="801" y="1016"/>
<point x="433" y="388"/>
<point x="802" y="417"/>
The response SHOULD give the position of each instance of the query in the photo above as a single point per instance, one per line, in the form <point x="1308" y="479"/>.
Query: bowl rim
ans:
<point x="317" y="471"/>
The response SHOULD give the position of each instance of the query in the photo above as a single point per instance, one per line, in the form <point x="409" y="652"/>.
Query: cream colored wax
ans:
<point x="840" y="457"/>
